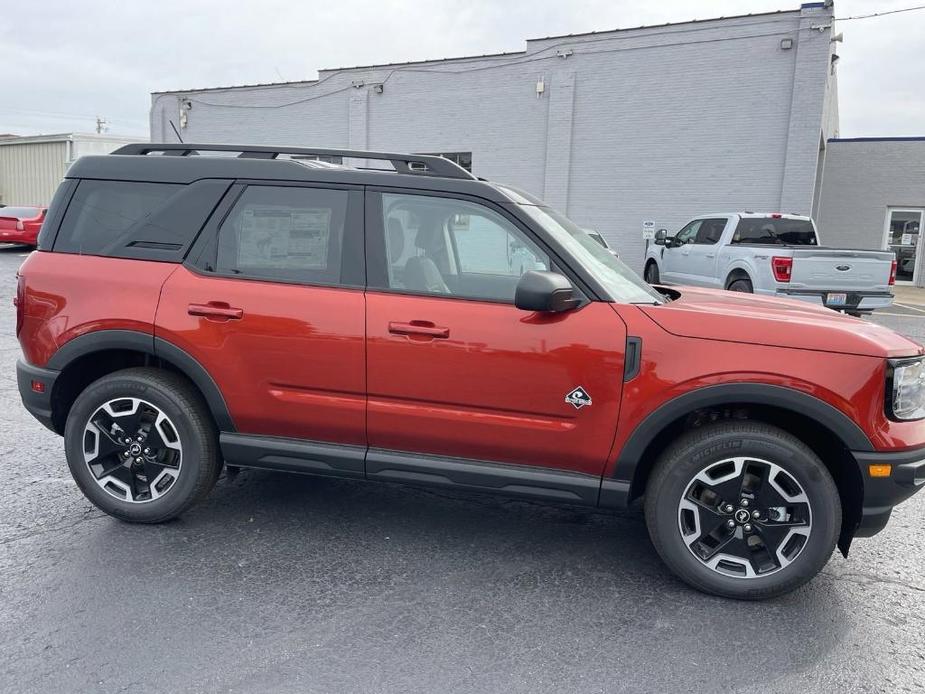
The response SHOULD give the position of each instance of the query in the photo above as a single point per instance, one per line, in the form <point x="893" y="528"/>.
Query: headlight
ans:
<point x="907" y="400"/>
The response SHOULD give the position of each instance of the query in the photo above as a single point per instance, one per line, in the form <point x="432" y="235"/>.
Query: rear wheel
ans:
<point x="741" y="285"/>
<point x="141" y="445"/>
<point x="651" y="274"/>
<point x="742" y="510"/>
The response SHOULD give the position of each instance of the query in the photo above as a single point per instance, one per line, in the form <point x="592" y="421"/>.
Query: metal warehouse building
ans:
<point x="873" y="196"/>
<point x="614" y="128"/>
<point x="32" y="167"/>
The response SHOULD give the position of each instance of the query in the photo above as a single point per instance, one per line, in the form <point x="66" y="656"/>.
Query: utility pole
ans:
<point x="101" y="125"/>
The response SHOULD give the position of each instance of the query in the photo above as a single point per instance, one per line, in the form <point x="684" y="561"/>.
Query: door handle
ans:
<point x="711" y="255"/>
<point x="215" y="310"/>
<point x="419" y="327"/>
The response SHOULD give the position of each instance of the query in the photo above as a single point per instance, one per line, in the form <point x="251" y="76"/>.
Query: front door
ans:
<point x="455" y="369"/>
<point x="903" y="226"/>
<point x="675" y="266"/>
<point x="273" y="309"/>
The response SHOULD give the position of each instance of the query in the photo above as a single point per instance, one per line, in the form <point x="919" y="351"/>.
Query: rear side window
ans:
<point x="287" y="234"/>
<point x="768" y="231"/>
<point x="127" y="219"/>
<point x="710" y="231"/>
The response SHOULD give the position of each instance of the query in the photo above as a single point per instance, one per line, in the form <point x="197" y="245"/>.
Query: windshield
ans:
<point x="624" y="285"/>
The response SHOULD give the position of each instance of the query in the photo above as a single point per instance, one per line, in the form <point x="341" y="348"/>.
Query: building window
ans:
<point x="903" y="227"/>
<point x="319" y="157"/>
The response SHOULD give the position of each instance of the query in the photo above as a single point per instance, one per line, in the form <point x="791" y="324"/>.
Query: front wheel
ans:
<point x="141" y="445"/>
<point x="742" y="510"/>
<point x="651" y="274"/>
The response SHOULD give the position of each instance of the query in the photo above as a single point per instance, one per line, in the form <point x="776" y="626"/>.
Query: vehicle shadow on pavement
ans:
<point x="342" y="584"/>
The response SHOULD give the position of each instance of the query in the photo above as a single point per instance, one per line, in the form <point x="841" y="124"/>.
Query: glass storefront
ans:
<point x="902" y="237"/>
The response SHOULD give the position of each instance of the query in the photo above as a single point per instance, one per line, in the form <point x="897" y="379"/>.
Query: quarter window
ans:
<point x="289" y="234"/>
<point x="102" y="215"/>
<point x="454" y="247"/>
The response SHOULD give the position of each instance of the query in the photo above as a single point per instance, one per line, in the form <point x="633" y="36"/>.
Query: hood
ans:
<point x="713" y="314"/>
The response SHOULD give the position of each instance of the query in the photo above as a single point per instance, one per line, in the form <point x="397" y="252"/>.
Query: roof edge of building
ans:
<point x="64" y="137"/>
<point x="900" y="138"/>
<point x="262" y="85"/>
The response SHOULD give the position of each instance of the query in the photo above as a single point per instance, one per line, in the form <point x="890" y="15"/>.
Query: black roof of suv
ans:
<point x="182" y="163"/>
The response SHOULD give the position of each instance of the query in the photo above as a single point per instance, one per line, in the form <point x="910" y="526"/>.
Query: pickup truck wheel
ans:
<point x="741" y="285"/>
<point x="141" y="445"/>
<point x="742" y="510"/>
<point x="651" y="274"/>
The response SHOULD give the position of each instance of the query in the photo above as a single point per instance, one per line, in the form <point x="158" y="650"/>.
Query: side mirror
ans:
<point x="660" y="236"/>
<point x="548" y="292"/>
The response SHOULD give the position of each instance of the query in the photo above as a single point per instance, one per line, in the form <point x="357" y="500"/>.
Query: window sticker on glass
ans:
<point x="295" y="238"/>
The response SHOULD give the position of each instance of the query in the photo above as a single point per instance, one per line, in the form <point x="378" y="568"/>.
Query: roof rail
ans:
<point x="417" y="164"/>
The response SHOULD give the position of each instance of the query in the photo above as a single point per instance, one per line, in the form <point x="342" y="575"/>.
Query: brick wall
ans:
<point x="659" y="123"/>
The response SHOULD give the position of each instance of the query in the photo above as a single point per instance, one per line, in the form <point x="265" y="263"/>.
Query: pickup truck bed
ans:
<point x="745" y="252"/>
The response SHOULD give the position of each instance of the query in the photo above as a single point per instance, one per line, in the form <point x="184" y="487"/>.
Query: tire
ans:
<point x="741" y="285"/>
<point x="178" y="458"/>
<point x="651" y="273"/>
<point x="696" y="465"/>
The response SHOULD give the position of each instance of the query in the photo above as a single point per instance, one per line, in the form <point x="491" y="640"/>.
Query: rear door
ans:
<point x="700" y="261"/>
<point x="272" y="306"/>
<point x="455" y="369"/>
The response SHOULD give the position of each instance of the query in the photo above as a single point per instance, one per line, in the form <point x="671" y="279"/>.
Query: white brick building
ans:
<point x="655" y="123"/>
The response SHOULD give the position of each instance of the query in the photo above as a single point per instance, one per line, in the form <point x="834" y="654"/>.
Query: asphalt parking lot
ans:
<point x="285" y="583"/>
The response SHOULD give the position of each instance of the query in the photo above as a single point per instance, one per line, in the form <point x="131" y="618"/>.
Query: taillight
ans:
<point x="781" y="267"/>
<point x="893" y="272"/>
<point x="19" y="301"/>
<point x="19" y="226"/>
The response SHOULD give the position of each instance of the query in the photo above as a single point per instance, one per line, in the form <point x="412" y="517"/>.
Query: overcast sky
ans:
<point x="62" y="63"/>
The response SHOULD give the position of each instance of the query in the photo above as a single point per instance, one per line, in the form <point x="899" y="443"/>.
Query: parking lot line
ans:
<point x="900" y="315"/>
<point x="911" y="308"/>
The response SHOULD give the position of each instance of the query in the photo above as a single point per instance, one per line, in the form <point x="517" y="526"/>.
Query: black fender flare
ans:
<point x="155" y="346"/>
<point x="619" y="489"/>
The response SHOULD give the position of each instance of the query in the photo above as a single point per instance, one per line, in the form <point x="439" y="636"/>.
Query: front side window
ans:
<point x="289" y="234"/>
<point x="689" y="233"/>
<point x="451" y="247"/>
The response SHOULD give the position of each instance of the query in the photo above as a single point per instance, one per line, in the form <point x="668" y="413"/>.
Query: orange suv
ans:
<point x="268" y="308"/>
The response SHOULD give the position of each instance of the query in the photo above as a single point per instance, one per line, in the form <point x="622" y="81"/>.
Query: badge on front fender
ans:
<point x="578" y="398"/>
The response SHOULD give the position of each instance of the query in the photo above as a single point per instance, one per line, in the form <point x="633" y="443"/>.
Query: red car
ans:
<point x="21" y="224"/>
<point x="424" y="326"/>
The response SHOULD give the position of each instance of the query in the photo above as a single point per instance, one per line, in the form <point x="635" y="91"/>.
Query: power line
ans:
<point x="880" y="14"/>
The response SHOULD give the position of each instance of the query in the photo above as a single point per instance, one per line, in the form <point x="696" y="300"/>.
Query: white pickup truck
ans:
<point x="771" y="254"/>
